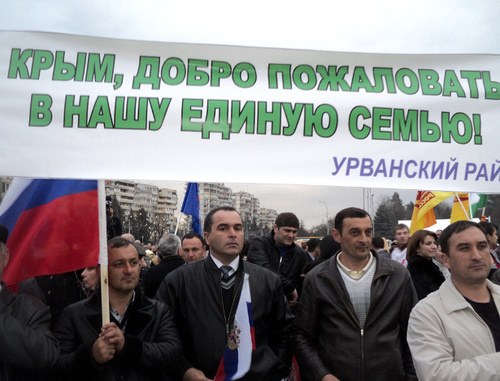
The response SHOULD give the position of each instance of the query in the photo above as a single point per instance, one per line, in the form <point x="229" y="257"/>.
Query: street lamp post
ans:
<point x="327" y="222"/>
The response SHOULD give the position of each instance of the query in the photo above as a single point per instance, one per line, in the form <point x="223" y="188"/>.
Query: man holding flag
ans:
<point x="232" y="316"/>
<point x="139" y="343"/>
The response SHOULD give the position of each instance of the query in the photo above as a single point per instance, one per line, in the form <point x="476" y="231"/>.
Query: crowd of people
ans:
<point x="348" y="306"/>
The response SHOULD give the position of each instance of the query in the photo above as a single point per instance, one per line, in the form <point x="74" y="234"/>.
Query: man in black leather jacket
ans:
<point x="28" y="349"/>
<point x="277" y="252"/>
<point x="352" y="320"/>
<point x="141" y="341"/>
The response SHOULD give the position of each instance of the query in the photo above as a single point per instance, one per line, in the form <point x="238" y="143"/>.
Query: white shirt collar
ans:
<point x="234" y="264"/>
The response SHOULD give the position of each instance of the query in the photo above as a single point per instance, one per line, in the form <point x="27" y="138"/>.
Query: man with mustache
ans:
<point x="352" y="319"/>
<point x="454" y="333"/>
<point x="141" y="341"/>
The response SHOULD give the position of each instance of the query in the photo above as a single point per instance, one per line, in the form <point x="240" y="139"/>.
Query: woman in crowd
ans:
<point x="426" y="276"/>
<point x="90" y="279"/>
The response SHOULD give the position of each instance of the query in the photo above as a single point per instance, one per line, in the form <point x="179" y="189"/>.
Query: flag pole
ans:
<point x="470" y="207"/>
<point x="178" y="222"/>
<point x="103" y="251"/>
<point x="462" y="205"/>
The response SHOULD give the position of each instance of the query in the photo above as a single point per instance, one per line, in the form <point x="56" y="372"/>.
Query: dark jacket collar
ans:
<point x="171" y="258"/>
<point x="140" y="311"/>
<point x="383" y="265"/>
<point x="140" y="300"/>
<point x="6" y="295"/>
<point x="270" y="237"/>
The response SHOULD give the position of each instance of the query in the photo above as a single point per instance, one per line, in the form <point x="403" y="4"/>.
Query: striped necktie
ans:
<point x="227" y="280"/>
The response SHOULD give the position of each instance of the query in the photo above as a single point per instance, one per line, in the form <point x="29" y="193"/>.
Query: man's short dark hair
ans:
<point x="488" y="227"/>
<point x="400" y="227"/>
<point x="312" y="244"/>
<point x="117" y="242"/>
<point x="378" y="242"/>
<point x="287" y="219"/>
<point x="348" y="213"/>
<point x="456" y="228"/>
<point x="192" y="235"/>
<point x="209" y="219"/>
<point x="4" y="233"/>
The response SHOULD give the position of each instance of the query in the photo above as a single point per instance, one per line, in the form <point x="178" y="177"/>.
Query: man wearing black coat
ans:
<point x="278" y="253"/>
<point x="352" y="320"/>
<point x="141" y="341"/>
<point x="169" y="252"/>
<point x="28" y="349"/>
<point x="204" y="297"/>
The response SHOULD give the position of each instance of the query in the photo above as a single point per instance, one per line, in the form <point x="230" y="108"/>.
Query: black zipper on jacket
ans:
<point x="355" y="318"/>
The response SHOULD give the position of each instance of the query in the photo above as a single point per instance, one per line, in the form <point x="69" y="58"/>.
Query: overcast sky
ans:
<point x="307" y="202"/>
<point x="427" y="26"/>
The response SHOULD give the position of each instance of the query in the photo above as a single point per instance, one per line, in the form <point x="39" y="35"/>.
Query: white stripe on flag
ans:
<point x="242" y="321"/>
<point x="18" y="185"/>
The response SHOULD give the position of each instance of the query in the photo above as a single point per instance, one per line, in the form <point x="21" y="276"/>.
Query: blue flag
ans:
<point x="191" y="206"/>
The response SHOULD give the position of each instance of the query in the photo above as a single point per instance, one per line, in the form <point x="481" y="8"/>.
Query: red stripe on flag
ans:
<point x="252" y="333"/>
<point x="54" y="238"/>
<point x="221" y="371"/>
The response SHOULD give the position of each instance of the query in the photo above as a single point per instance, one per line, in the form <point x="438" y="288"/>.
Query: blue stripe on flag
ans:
<point x="43" y="191"/>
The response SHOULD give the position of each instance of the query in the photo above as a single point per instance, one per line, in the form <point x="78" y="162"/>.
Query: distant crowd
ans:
<point x="349" y="306"/>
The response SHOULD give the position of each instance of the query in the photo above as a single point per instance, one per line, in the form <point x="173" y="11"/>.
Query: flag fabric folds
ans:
<point x="423" y="212"/>
<point x="191" y="206"/>
<point x="477" y="200"/>
<point x="237" y="356"/>
<point x="466" y="205"/>
<point x="53" y="227"/>
<point x="460" y="211"/>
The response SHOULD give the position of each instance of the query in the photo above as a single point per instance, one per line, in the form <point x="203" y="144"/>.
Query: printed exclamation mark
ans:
<point x="476" y="119"/>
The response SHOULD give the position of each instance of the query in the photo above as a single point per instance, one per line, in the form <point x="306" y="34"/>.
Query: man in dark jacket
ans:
<point x="278" y="253"/>
<point x="141" y="341"/>
<point x="205" y="296"/>
<point x="169" y="251"/>
<point x="28" y="349"/>
<point x="352" y="320"/>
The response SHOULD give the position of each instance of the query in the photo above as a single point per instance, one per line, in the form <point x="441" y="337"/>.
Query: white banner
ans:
<point x="83" y="107"/>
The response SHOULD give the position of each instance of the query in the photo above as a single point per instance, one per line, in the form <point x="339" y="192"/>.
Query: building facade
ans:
<point x="249" y="207"/>
<point x="4" y="186"/>
<point x="267" y="218"/>
<point x="213" y="195"/>
<point x="159" y="204"/>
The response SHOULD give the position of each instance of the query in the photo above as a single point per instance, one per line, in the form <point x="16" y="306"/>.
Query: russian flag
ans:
<point x="53" y="225"/>
<point x="237" y="357"/>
